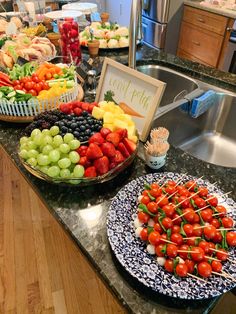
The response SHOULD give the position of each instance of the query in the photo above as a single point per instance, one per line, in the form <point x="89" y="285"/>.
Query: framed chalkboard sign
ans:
<point x="137" y="94"/>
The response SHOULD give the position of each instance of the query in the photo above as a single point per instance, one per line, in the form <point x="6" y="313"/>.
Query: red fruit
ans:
<point x="66" y="108"/>
<point x="118" y="158"/>
<point x="94" y="151"/>
<point x="108" y="149"/>
<point x="122" y="132"/>
<point x="74" y="104"/>
<point x="121" y="147"/>
<point x="112" y="165"/>
<point x="114" y="138"/>
<point x="101" y="165"/>
<point x="82" y="150"/>
<point x="84" y="162"/>
<point x="105" y="132"/>
<point x="96" y="138"/>
<point x="77" y="111"/>
<point x="130" y="145"/>
<point x="90" y="172"/>
<point x="90" y="108"/>
<point x="85" y="106"/>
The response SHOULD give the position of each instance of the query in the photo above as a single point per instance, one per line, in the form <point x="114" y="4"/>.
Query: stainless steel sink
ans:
<point x="210" y="137"/>
<point x="177" y="84"/>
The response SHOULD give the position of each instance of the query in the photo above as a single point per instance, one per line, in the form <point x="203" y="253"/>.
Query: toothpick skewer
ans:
<point x="185" y="200"/>
<point x="228" y="276"/>
<point x="225" y="275"/>
<point x="189" y="238"/>
<point x="196" y="277"/>
<point x="206" y="256"/>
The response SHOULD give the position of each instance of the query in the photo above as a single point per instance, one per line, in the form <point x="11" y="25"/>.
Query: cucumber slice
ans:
<point x="11" y="94"/>
<point x="12" y="99"/>
<point x="21" y="92"/>
<point x="1" y="95"/>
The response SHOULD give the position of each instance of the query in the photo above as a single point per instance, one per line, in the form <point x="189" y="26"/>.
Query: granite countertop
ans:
<point x="211" y="8"/>
<point x="82" y="211"/>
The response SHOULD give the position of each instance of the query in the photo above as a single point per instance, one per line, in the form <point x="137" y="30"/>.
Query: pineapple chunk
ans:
<point x="118" y="110"/>
<point x="109" y="126"/>
<point x="133" y="138"/>
<point x="108" y="117"/>
<point x="119" y="124"/>
<point x="131" y="130"/>
<point x="98" y="113"/>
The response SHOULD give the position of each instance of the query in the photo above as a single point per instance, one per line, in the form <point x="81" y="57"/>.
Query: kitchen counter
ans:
<point x="211" y="8"/>
<point x="82" y="211"/>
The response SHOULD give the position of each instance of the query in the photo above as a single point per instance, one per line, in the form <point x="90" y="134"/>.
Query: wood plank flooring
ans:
<point x="41" y="269"/>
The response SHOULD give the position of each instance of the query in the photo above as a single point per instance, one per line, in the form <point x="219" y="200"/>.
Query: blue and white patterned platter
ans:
<point x="131" y="251"/>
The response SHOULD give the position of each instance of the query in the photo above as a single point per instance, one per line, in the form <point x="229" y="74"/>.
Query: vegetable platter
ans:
<point x="175" y="234"/>
<point x="73" y="145"/>
<point x="31" y="88"/>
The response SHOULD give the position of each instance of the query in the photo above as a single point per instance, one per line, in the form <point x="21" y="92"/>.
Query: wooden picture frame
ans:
<point x="138" y="92"/>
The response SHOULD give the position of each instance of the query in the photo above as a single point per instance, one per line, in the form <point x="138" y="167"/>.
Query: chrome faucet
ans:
<point x="135" y="30"/>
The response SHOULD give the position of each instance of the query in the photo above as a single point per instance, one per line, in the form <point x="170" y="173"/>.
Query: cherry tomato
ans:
<point x="175" y="229"/>
<point x="157" y="227"/>
<point x="185" y="203"/>
<point x="196" y="218"/>
<point x="144" y="234"/>
<point x="163" y="238"/>
<point x="218" y="237"/>
<point x="184" y="192"/>
<point x="190" y="185"/>
<point x="190" y="264"/>
<point x="169" y="265"/>
<point x="194" y="196"/>
<point x="162" y="201"/>
<point x="16" y="82"/>
<point x="197" y="254"/>
<point x="167" y="222"/>
<point x="152" y="207"/>
<point x="143" y="217"/>
<point x="156" y="192"/>
<point x="207" y="214"/>
<point x="205" y="246"/>
<point x="209" y="232"/>
<point x="158" y="249"/>
<point x="154" y="238"/>
<point x="231" y="238"/>
<point x="145" y="200"/>
<point x="176" y="238"/>
<point x="221" y="210"/>
<point x="35" y="78"/>
<point x="213" y="201"/>
<point x="170" y="189"/>
<point x="215" y="222"/>
<point x="181" y="270"/>
<point x="26" y="79"/>
<point x="197" y="231"/>
<point x="169" y="210"/>
<point x="192" y="241"/>
<point x="188" y="229"/>
<point x="203" y="192"/>
<point x="227" y="222"/>
<point x="200" y="203"/>
<point x="204" y="269"/>
<point x="175" y="199"/>
<point x="178" y="219"/>
<point x="179" y="188"/>
<point x="222" y="255"/>
<point x="171" y="182"/>
<point x="18" y="87"/>
<point x="189" y="214"/>
<point x="145" y="193"/>
<point x="171" y="250"/>
<point x="45" y="86"/>
<point x="154" y="186"/>
<point x="216" y="266"/>
<point x="33" y="92"/>
<point x="211" y="246"/>
<point x="29" y="85"/>
<point x="38" y="88"/>
<point x="183" y="247"/>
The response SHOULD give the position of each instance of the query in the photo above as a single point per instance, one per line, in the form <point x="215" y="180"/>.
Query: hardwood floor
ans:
<point x="41" y="269"/>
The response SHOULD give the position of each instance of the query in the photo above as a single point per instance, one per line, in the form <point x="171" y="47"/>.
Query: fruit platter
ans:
<point x="75" y="144"/>
<point x="110" y="35"/>
<point x="31" y="88"/>
<point x="175" y="234"/>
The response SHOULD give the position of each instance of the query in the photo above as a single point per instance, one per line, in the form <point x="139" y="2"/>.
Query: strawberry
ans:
<point x="77" y="111"/>
<point x="130" y="145"/>
<point x="85" y="106"/>
<point x="118" y="158"/>
<point x="96" y="138"/>
<point x="65" y="108"/>
<point x="105" y="132"/>
<point x="84" y="162"/>
<point x="90" y="172"/>
<point x="90" y="108"/>
<point x="74" y="104"/>
<point x="108" y="149"/>
<point x="114" y="138"/>
<point x="123" y="133"/>
<point x="94" y="151"/>
<point x="112" y="165"/>
<point x="101" y="165"/>
<point x="82" y="150"/>
<point x="124" y="151"/>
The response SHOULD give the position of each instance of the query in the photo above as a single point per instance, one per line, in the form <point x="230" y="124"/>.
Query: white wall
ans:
<point x="101" y="4"/>
<point x="119" y="11"/>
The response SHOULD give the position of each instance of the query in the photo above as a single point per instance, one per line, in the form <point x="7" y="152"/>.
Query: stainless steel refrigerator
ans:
<point x="161" y="20"/>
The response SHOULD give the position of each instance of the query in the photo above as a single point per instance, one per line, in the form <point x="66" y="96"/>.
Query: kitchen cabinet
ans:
<point x="204" y="36"/>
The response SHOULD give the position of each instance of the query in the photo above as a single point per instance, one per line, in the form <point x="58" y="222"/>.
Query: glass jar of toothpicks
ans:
<point x="156" y="149"/>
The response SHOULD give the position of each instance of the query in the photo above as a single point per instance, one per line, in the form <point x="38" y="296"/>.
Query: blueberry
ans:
<point x="64" y="129"/>
<point x="69" y="117"/>
<point x="87" y="132"/>
<point x="69" y="130"/>
<point x="73" y="126"/>
<point x="87" y="126"/>
<point x="86" y="138"/>
<point x="76" y="134"/>
<point x="61" y="124"/>
<point x="84" y="113"/>
<point x="82" y="127"/>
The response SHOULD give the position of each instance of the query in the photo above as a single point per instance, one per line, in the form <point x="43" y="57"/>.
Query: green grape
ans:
<point x="46" y="132"/>
<point x="32" y="161"/>
<point x="24" y="146"/>
<point x="44" y="169"/>
<point x="64" y="148"/>
<point x="57" y="140"/>
<point x="38" y="139"/>
<point x="47" y="139"/>
<point x="78" y="171"/>
<point x="31" y="145"/>
<point x="23" y="139"/>
<point x="43" y="160"/>
<point x="65" y="173"/>
<point x="46" y="149"/>
<point x="64" y="163"/>
<point x="54" y="130"/>
<point x="54" y="155"/>
<point x="23" y="153"/>
<point x="75" y="181"/>
<point x="74" y="144"/>
<point x="34" y="133"/>
<point x="33" y="153"/>
<point x="54" y="171"/>
<point x="68" y="137"/>
<point x="74" y="157"/>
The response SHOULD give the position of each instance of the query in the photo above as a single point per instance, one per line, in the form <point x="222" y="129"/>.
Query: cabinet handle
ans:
<point x="197" y="43"/>
<point x="199" y="19"/>
<point x="229" y="29"/>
